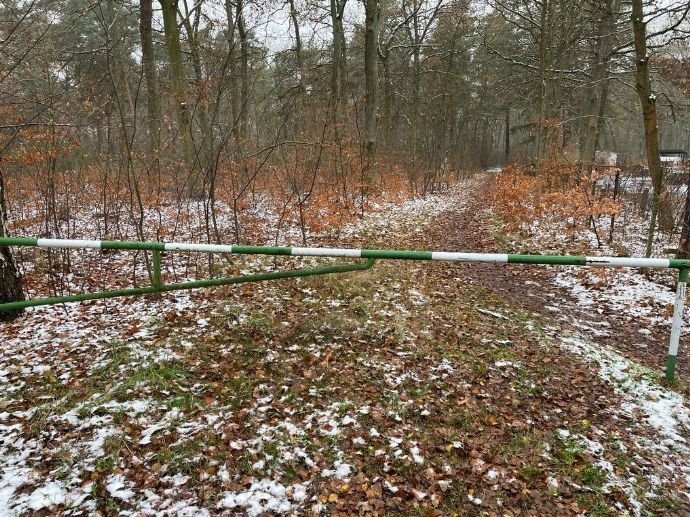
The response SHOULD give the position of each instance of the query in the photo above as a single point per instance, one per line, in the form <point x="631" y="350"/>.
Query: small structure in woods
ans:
<point x="607" y="164"/>
<point x="604" y="159"/>
<point x="673" y="159"/>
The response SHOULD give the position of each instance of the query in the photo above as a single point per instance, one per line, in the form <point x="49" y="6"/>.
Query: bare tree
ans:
<point x="647" y="97"/>
<point x="371" y="38"/>
<point x="10" y="277"/>
<point x="149" y="63"/>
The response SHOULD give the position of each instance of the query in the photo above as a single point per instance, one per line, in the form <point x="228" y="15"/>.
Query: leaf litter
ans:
<point x="342" y="395"/>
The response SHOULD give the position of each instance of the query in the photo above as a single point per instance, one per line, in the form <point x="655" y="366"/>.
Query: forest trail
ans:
<point x="621" y="337"/>
<point x="427" y="388"/>
<point x="535" y="289"/>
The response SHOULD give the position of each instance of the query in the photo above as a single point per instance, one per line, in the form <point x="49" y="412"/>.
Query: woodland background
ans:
<point x="311" y="110"/>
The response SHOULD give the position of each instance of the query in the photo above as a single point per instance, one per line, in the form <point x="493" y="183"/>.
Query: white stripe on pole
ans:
<point x="207" y="248"/>
<point x="67" y="243"/>
<point x="326" y="252"/>
<point x="470" y="257"/>
<point x="628" y="262"/>
<point x="677" y="319"/>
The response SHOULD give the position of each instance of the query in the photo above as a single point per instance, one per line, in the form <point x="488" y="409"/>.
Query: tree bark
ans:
<point x="204" y="150"/>
<point x="10" y="277"/>
<point x="684" y="244"/>
<point x="647" y="97"/>
<point x="298" y="46"/>
<point x="148" y="61"/>
<point x="543" y="104"/>
<point x="506" y="150"/>
<point x="339" y="59"/>
<point x="372" y="19"/>
<point x="177" y="78"/>
<point x="596" y="103"/>
<point x="235" y="105"/>
<point x="243" y="71"/>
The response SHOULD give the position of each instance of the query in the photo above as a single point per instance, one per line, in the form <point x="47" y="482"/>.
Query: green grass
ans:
<point x="112" y="446"/>
<point x="185" y="458"/>
<point x="592" y="476"/>
<point x="118" y="356"/>
<point x="238" y="390"/>
<point x="569" y="453"/>
<point x="595" y="505"/>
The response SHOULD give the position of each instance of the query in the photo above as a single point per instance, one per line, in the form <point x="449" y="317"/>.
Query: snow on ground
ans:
<point x="663" y="410"/>
<point x="53" y="448"/>
<point x="633" y="296"/>
<point x="628" y="292"/>
<point x="127" y="352"/>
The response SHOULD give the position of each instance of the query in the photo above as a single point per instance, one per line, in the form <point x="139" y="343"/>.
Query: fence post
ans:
<point x="677" y="323"/>
<point x="157" y="276"/>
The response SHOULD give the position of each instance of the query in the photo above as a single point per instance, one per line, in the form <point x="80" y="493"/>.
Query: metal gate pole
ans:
<point x="676" y="325"/>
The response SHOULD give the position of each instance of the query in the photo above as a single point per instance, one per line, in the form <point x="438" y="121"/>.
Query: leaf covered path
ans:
<point x="411" y="388"/>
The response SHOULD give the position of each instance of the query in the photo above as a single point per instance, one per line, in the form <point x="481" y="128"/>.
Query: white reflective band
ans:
<point x="628" y="262"/>
<point x="207" y="248"/>
<point x="67" y="243"/>
<point x="470" y="257"/>
<point x="326" y="252"/>
<point x="677" y="321"/>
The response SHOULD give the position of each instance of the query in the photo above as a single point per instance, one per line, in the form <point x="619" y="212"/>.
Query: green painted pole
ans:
<point x="157" y="284"/>
<point x="676" y="325"/>
<point x="157" y="276"/>
<point x="213" y="282"/>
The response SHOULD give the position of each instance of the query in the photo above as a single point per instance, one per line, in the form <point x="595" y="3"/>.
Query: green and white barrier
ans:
<point x="500" y="258"/>
<point x="238" y="249"/>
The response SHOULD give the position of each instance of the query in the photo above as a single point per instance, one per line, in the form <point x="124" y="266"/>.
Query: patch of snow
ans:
<point x="552" y="483"/>
<point x="342" y="471"/>
<point x="563" y="433"/>
<point x="416" y="455"/>
<point x="47" y="496"/>
<point x="116" y="487"/>
<point x="664" y="410"/>
<point x="264" y="496"/>
<point x="394" y="442"/>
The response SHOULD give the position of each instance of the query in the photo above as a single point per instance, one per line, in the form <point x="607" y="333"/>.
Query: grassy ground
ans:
<point x="399" y="390"/>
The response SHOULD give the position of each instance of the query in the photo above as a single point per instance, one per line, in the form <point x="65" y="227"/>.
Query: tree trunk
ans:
<point x="596" y="103"/>
<point x="177" y="78"/>
<point x="148" y="61"/>
<point x="235" y="105"/>
<point x="339" y="62"/>
<point x="371" y="76"/>
<point x="298" y="46"/>
<point x="387" y="103"/>
<point x="684" y="244"/>
<point x="506" y="150"/>
<point x="243" y="72"/>
<point x="10" y="277"/>
<point x="648" y="103"/>
<point x="543" y="50"/>
<point x="204" y="150"/>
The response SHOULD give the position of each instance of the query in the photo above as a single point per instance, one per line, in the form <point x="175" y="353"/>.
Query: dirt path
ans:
<point x="411" y="388"/>
<point x="533" y="289"/>
<point x="575" y="393"/>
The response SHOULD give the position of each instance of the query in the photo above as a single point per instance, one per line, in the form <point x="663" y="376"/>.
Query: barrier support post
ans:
<point x="676" y="325"/>
<point x="157" y="276"/>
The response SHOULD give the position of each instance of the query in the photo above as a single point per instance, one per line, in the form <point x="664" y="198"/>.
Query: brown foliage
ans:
<point x="555" y="193"/>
